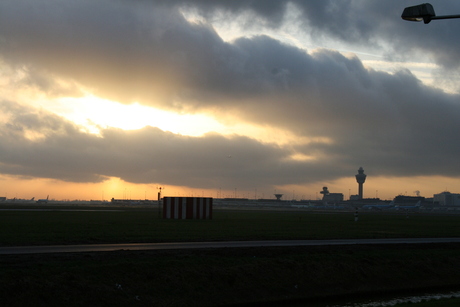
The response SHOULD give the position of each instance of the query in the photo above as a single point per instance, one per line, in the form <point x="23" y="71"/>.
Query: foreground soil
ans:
<point x="210" y="277"/>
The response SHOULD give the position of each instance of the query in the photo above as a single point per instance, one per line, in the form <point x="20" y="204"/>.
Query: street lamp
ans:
<point x="423" y="12"/>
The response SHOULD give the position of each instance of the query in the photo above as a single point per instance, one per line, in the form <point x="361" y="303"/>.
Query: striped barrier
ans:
<point x="187" y="207"/>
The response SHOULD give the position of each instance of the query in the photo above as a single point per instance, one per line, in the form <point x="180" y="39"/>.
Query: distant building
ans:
<point x="357" y="200"/>
<point x="331" y="197"/>
<point x="447" y="199"/>
<point x="406" y="200"/>
<point x="2" y="198"/>
<point x="131" y="201"/>
<point x="355" y="197"/>
<point x="268" y="200"/>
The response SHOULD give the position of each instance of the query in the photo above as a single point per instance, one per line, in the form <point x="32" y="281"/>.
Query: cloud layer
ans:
<point x="147" y="51"/>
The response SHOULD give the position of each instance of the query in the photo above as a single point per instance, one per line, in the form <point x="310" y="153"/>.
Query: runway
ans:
<point x="16" y="250"/>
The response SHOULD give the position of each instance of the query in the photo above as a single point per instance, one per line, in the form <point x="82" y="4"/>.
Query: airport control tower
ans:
<point x="360" y="178"/>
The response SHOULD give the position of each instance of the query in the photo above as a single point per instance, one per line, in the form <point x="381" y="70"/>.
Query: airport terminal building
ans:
<point x="447" y="199"/>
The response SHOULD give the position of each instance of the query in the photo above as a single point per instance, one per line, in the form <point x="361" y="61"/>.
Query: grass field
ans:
<point x="145" y="225"/>
<point x="210" y="277"/>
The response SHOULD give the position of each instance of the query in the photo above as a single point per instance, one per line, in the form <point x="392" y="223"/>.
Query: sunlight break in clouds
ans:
<point x="95" y="113"/>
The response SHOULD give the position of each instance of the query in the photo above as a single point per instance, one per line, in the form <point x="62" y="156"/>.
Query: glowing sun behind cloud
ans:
<point x="92" y="114"/>
<point x="95" y="113"/>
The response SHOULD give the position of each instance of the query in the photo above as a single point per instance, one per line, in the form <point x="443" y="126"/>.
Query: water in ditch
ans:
<point x="401" y="300"/>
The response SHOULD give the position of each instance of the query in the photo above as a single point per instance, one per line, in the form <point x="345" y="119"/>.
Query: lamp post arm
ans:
<point x="427" y="19"/>
<point x="445" y="17"/>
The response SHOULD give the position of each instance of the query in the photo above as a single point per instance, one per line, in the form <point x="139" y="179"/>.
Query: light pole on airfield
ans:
<point x="159" y="201"/>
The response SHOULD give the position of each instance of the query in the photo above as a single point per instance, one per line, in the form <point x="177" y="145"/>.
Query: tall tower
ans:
<point x="360" y="178"/>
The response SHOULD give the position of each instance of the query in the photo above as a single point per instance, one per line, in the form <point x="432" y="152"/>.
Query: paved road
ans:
<point x="14" y="250"/>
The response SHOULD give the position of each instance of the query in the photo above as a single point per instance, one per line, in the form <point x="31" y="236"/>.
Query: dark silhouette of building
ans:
<point x="360" y="178"/>
<point x="331" y="197"/>
<point x="404" y="200"/>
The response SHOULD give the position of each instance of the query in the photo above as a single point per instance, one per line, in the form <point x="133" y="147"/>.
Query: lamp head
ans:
<point x="419" y="12"/>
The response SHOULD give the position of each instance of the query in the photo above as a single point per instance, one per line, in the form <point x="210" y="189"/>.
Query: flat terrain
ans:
<point x="81" y="225"/>
<point x="229" y="276"/>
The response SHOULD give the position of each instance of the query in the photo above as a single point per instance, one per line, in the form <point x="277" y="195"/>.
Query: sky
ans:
<point x="116" y="98"/>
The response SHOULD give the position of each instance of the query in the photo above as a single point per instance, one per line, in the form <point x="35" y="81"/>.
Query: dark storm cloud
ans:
<point x="106" y="46"/>
<point x="363" y="22"/>
<point x="358" y="22"/>
<point x="34" y="143"/>
<point x="147" y="51"/>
